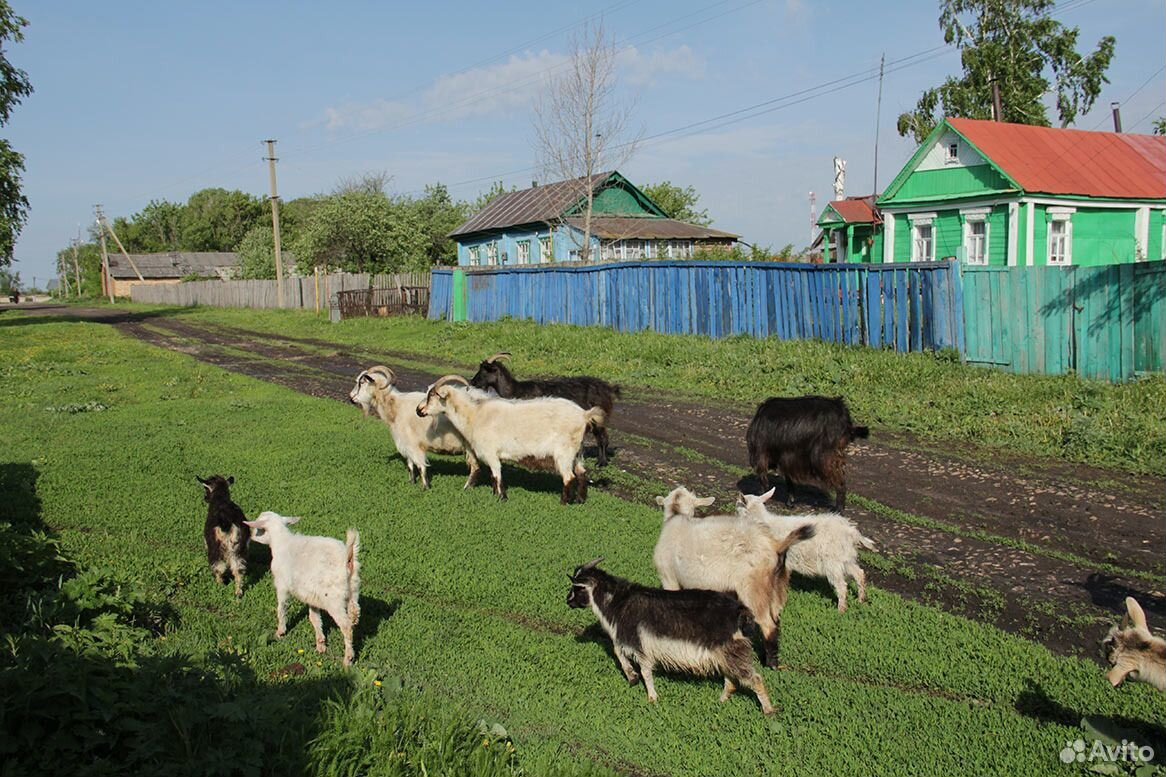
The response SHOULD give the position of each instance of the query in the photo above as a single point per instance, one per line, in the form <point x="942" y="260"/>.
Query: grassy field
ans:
<point x="932" y="396"/>
<point x="464" y="599"/>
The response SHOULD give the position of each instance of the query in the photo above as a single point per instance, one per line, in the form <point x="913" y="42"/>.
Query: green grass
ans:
<point x="464" y="597"/>
<point x="926" y="395"/>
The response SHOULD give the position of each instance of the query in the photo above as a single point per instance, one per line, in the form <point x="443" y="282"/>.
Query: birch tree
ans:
<point x="581" y="122"/>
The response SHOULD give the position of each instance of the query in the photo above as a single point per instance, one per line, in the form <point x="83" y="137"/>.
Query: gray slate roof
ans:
<point x="176" y="264"/>
<point x="538" y="204"/>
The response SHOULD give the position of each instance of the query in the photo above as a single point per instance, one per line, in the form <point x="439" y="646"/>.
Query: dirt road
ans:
<point x="1042" y="548"/>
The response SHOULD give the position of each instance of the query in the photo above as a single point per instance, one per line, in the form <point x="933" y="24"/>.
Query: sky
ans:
<point x="747" y="101"/>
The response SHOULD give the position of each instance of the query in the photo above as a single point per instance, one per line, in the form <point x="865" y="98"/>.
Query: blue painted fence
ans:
<point x="907" y="308"/>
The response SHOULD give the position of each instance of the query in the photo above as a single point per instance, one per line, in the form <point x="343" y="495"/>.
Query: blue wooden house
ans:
<point x="546" y="224"/>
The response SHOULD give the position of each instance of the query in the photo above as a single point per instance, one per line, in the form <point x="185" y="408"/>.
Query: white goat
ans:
<point x="724" y="553"/>
<point x="832" y="553"/>
<point x="413" y="436"/>
<point x="516" y="430"/>
<point x="321" y="572"/>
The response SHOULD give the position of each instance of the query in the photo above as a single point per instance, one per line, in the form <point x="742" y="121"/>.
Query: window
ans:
<point x="1059" y="241"/>
<point x="522" y="248"/>
<point x="475" y="255"/>
<point x="679" y="249"/>
<point x="923" y="244"/>
<point x="976" y="238"/>
<point x="544" y="249"/>
<point x="952" y="153"/>
<point x="491" y="253"/>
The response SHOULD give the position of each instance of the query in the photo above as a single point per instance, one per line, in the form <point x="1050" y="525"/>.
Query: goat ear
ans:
<point x="660" y="500"/>
<point x="206" y="483"/>
<point x="252" y="524"/>
<point x="768" y="494"/>
<point x="231" y="480"/>
<point x="591" y="564"/>
<point x="708" y="500"/>
<point x="1136" y="615"/>
<point x="288" y="520"/>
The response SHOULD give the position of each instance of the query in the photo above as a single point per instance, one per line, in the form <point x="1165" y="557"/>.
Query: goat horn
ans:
<point x="449" y="379"/>
<point x="591" y="564"/>
<point x="501" y="356"/>
<point x="390" y="376"/>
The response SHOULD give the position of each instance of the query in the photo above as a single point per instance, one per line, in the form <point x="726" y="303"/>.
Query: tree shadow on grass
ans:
<point x="1035" y="703"/>
<point x="87" y="689"/>
<point x="70" y="315"/>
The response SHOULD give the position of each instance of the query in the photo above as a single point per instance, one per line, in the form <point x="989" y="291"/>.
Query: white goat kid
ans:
<point x="831" y="554"/>
<point x="413" y="436"/>
<point x="516" y="430"/>
<point x="321" y="572"/>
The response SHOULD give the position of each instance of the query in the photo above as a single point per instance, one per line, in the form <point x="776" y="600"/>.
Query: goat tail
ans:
<point x="859" y="432"/>
<point x="595" y="416"/>
<point x="352" y="560"/>
<point x="804" y="532"/>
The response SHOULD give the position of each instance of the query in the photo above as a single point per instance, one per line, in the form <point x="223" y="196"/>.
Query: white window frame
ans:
<point x="971" y="218"/>
<point x="545" y="250"/>
<point x="492" y="253"/>
<point x="475" y="255"/>
<point x="951" y="153"/>
<point x="1162" y="245"/>
<point x="1063" y="216"/>
<point x="522" y="251"/>
<point x="919" y="220"/>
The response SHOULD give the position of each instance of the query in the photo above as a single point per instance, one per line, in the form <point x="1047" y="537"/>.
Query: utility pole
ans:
<point x="76" y="263"/>
<point x="878" y="114"/>
<point x="271" y="160"/>
<point x="122" y="248"/>
<point x="106" y="280"/>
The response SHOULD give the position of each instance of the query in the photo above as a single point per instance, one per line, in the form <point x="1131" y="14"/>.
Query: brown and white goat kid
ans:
<point x="516" y="430"/>
<point x="832" y="553"/>
<point x="1135" y="653"/>
<point x="225" y="532"/>
<point x="693" y="631"/>
<point x="321" y="572"/>
<point x="724" y="553"/>
<point x="413" y="436"/>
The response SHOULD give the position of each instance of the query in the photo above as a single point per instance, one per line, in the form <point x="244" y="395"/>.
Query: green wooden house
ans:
<point x="997" y="194"/>
<point x="852" y="231"/>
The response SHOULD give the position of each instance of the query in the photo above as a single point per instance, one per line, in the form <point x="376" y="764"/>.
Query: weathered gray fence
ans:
<point x="310" y="292"/>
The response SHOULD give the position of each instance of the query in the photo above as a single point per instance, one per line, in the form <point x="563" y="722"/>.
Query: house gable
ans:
<point x="617" y="196"/>
<point x="947" y="166"/>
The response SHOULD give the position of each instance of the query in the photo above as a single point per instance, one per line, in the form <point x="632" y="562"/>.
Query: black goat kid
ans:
<point x="694" y="631"/>
<point x="806" y="438"/>
<point x="225" y="533"/>
<point x="584" y="391"/>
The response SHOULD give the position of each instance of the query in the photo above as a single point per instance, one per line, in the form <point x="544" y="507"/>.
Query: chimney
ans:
<point x="534" y="184"/>
<point x="1116" y="116"/>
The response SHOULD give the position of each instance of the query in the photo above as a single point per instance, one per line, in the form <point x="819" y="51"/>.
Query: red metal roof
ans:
<point x="1067" y="161"/>
<point x="856" y="210"/>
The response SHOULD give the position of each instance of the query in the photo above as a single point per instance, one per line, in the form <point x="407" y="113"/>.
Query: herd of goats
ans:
<point x="723" y="576"/>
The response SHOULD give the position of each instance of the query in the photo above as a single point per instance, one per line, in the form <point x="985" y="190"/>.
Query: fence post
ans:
<point x="459" y="295"/>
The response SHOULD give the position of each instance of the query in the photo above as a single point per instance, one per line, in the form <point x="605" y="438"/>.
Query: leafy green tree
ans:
<point x="677" y="203"/>
<point x="1018" y="45"/>
<point x="217" y="219"/>
<point x="158" y="228"/>
<point x="439" y="215"/>
<point x="89" y="260"/>
<point x="14" y="87"/>
<point x="361" y="232"/>
<point x="1160" y="126"/>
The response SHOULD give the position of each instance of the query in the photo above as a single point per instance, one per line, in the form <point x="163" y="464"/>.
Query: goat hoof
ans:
<point x="633" y="679"/>
<point x="279" y="634"/>
<point x="321" y="647"/>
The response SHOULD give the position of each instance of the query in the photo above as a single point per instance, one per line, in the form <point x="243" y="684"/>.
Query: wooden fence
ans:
<point x="311" y="292"/>
<point x="1104" y="322"/>
<point x="905" y="307"/>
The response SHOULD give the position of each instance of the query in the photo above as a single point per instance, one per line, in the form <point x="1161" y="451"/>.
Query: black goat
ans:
<point x="695" y="631"/>
<point x="225" y="533"/>
<point x="584" y="391"/>
<point x="806" y="438"/>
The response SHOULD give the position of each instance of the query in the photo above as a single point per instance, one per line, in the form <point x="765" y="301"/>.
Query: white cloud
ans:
<point x="642" y="70"/>
<point x="500" y="89"/>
